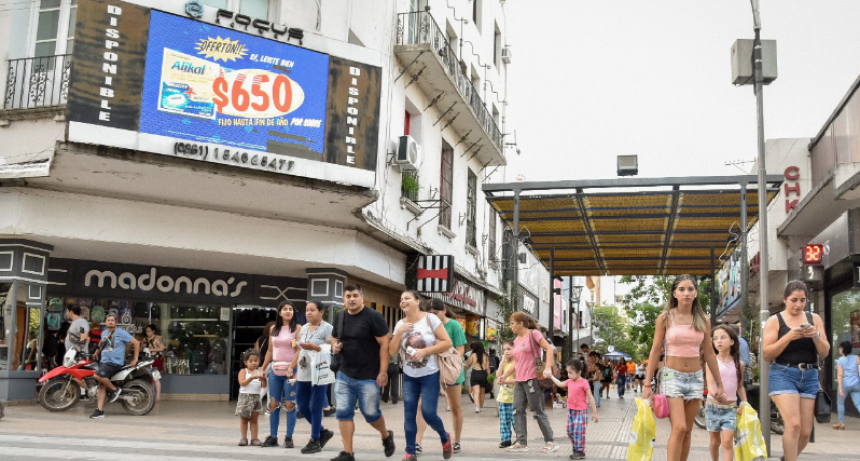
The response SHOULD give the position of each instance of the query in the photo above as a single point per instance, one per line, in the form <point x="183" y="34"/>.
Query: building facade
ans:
<point x="193" y="164"/>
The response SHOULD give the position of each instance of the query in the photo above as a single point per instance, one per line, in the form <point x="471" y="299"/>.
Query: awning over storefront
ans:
<point x="630" y="226"/>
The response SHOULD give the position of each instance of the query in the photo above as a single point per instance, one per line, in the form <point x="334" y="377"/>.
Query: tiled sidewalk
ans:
<point x="213" y="425"/>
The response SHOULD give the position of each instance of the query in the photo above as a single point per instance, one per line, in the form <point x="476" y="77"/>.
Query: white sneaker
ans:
<point x="477" y="410"/>
<point x="447" y="408"/>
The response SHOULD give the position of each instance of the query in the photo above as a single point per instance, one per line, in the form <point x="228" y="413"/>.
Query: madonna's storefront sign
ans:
<point x="111" y="279"/>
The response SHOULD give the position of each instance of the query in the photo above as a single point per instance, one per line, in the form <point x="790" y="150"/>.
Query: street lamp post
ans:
<point x="764" y="313"/>
<point x="575" y="293"/>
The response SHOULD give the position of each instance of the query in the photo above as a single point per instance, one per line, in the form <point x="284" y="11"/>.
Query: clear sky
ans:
<point x="594" y="79"/>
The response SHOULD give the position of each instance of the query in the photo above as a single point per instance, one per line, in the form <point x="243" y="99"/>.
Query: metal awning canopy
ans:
<point x="630" y="226"/>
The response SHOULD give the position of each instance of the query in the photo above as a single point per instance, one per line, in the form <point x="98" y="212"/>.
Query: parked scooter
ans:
<point x="61" y="387"/>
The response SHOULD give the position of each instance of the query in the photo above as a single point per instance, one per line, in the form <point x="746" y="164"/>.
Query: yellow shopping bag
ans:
<point x="749" y="443"/>
<point x="642" y="433"/>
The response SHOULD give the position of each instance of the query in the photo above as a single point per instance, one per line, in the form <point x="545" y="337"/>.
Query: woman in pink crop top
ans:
<point x="687" y="334"/>
<point x="283" y="357"/>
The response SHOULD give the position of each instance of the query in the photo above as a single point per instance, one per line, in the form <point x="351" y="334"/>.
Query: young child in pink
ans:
<point x="579" y="398"/>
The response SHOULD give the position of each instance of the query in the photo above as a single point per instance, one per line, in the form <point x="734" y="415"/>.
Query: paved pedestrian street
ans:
<point x="205" y="430"/>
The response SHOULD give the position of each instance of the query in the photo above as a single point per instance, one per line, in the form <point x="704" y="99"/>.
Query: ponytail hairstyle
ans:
<point x="795" y="285"/>
<point x="250" y="353"/>
<point x="527" y="321"/>
<point x="734" y="351"/>
<point x="700" y="321"/>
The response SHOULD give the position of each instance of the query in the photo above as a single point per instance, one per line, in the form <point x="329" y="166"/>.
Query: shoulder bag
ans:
<point x="823" y="406"/>
<point x="449" y="362"/>
<point x="540" y="365"/>
<point x="335" y="358"/>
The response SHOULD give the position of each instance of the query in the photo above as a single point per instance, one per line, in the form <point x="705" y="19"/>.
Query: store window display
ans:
<point x="195" y="336"/>
<point x="845" y="312"/>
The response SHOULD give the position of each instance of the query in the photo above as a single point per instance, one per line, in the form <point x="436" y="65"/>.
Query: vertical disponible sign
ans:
<point x="147" y="80"/>
<point x="107" y="64"/>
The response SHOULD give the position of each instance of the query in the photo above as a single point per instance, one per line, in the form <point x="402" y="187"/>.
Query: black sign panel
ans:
<point x="107" y="64"/>
<point x="108" y="279"/>
<point x="353" y="113"/>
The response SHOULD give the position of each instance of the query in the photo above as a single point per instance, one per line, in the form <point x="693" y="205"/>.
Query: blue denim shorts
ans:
<point x="721" y="417"/>
<point x="789" y="380"/>
<point x="348" y="391"/>
<point x="679" y="384"/>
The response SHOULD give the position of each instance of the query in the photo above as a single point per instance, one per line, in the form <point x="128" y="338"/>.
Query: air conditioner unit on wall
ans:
<point x="408" y="154"/>
<point x="506" y="55"/>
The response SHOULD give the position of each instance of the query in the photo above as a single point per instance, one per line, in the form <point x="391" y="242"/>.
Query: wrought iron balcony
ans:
<point x="37" y="82"/>
<point x="423" y="48"/>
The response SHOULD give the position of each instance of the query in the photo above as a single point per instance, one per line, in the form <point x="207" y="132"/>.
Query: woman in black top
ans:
<point x="793" y="341"/>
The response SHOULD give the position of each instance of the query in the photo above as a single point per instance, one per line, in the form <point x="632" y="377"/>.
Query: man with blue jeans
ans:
<point x="363" y="350"/>
<point x="112" y="350"/>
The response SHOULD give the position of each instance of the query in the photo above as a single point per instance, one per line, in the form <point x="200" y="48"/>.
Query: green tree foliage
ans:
<point x="614" y="330"/>
<point x="647" y="299"/>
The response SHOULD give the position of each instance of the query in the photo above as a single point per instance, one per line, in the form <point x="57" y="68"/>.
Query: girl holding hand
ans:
<point x="687" y="334"/>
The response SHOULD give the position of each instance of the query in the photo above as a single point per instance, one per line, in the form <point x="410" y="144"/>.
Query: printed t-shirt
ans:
<point x="73" y="337"/>
<point x="113" y="350"/>
<point x="421" y="336"/>
<point x="458" y="338"/>
<point x="318" y="337"/>
<point x="525" y="351"/>
<point x="577" y="394"/>
<point x="360" y="353"/>
<point x="506" y="391"/>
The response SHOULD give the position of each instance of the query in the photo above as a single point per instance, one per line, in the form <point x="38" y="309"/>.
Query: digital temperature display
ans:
<point x="812" y="254"/>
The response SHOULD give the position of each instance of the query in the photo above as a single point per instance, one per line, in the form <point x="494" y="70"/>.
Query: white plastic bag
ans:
<point x="321" y="373"/>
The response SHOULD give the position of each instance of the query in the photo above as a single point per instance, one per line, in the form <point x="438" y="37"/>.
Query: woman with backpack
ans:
<point x="527" y="391"/>
<point x="418" y="337"/>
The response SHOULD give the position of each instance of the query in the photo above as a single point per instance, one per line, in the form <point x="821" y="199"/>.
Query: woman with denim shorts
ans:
<point x="687" y="335"/>
<point x="793" y="341"/>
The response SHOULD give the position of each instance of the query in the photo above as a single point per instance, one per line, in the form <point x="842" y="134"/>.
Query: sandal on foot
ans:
<point x="549" y="447"/>
<point x="256" y="442"/>
<point x="243" y="442"/>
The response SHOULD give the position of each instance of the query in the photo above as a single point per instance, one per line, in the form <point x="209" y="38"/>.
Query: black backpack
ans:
<point x="607" y="372"/>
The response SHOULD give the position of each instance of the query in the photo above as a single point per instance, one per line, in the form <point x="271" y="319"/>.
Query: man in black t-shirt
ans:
<point x="363" y="350"/>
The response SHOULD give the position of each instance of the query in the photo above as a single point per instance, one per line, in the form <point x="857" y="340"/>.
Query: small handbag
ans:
<point x="823" y="406"/>
<point x="660" y="406"/>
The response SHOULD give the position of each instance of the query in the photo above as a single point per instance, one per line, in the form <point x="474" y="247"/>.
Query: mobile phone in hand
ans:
<point x="805" y="325"/>
<point x="410" y="350"/>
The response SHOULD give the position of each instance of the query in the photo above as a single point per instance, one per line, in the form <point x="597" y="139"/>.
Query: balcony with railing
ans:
<point x="431" y="63"/>
<point x="37" y="83"/>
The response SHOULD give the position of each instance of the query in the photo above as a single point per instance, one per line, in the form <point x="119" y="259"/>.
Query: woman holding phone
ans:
<point x="793" y="341"/>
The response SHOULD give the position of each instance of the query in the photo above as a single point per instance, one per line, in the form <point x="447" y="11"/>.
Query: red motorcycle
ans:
<point x="61" y="387"/>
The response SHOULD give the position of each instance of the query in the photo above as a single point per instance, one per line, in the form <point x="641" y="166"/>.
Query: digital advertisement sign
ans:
<point x="210" y="84"/>
<point x="157" y="82"/>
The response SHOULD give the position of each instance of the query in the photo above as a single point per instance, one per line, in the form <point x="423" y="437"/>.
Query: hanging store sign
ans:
<point x="430" y="274"/>
<point x="95" y="279"/>
<point x="215" y="94"/>
<point x="463" y="296"/>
